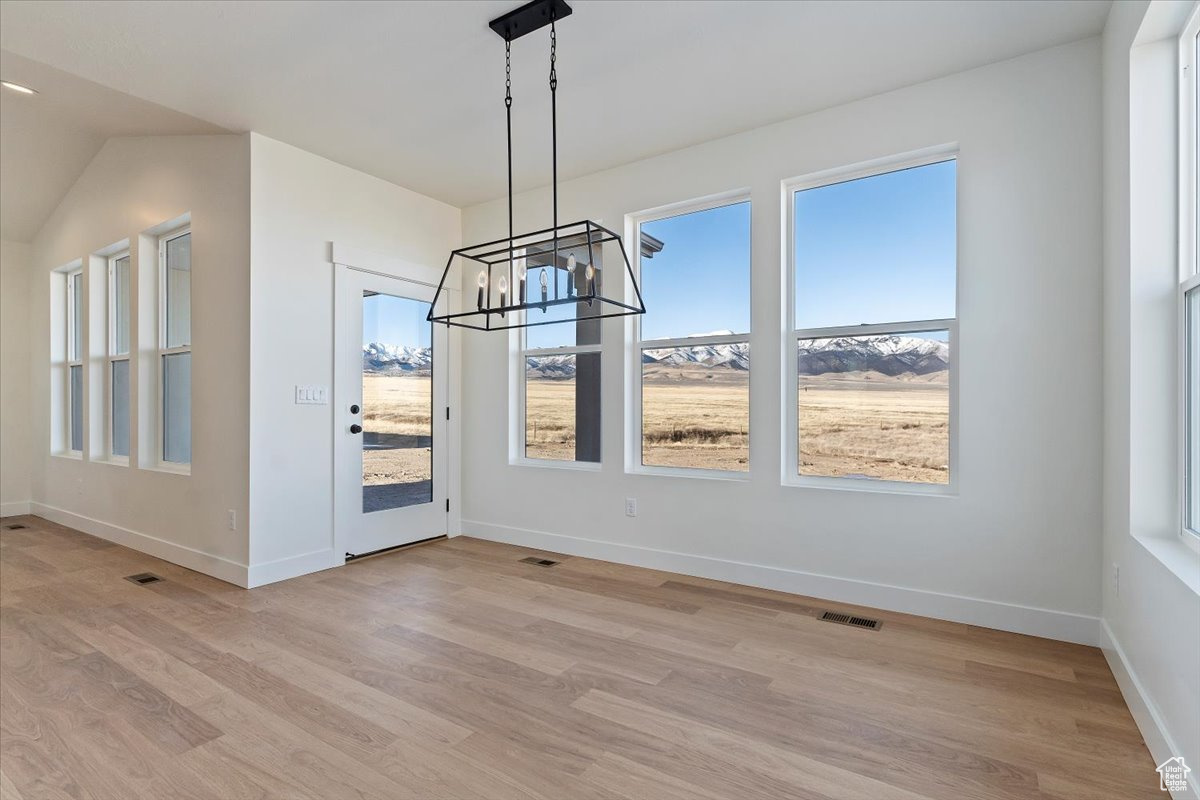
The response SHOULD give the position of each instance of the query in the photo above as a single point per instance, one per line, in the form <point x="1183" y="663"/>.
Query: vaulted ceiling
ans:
<point x="412" y="91"/>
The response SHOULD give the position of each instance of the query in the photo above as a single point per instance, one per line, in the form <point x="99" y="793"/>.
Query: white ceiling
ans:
<point x="47" y="139"/>
<point x="412" y="92"/>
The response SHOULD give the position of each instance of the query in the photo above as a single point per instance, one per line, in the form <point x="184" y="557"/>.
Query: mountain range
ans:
<point x="885" y="354"/>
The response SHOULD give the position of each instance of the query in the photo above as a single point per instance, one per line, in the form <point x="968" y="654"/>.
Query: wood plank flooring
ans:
<point x="453" y="672"/>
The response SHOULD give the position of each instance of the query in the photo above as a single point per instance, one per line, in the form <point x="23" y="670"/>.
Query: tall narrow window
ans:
<point x="118" y="355"/>
<point x="693" y="344"/>
<point x="175" y="346"/>
<point x="75" y="299"/>
<point x="560" y="362"/>
<point x="1189" y="272"/>
<point x="873" y="273"/>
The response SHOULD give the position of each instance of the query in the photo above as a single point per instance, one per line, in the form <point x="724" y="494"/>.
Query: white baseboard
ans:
<point x="290" y="567"/>
<point x="14" y="509"/>
<point x="216" y="566"/>
<point x="1145" y="712"/>
<point x="1061" y="625"/>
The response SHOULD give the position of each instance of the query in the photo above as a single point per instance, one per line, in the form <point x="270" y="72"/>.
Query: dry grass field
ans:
<point x="877" y="427"/>
<point x="396" y="429"/>
<point x="850" y="424"/>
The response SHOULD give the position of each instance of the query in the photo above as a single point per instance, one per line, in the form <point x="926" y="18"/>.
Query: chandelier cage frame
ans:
<point x="507" y="264"/>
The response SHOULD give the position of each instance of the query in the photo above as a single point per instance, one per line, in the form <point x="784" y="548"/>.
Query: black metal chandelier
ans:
<point x="568" y="260"/>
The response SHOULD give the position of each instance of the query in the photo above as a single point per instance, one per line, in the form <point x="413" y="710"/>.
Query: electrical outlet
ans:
<point x="631" y="506"/>
<point x="1116" y="579"/>
<point x="232" y="520"/>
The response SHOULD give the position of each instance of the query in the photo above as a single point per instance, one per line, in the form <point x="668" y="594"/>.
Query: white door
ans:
<point x="390" y="415"/>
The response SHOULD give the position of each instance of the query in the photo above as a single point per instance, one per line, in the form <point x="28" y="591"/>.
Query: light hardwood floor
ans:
<point x="453" y="671"/>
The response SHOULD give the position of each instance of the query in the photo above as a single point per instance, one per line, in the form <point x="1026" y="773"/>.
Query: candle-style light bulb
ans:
<point x="545" y="283"/>
<point x="482" y="286"/>
<point x="570" y="274"/>
<point x="590" y="275"/>
<point x="503" y="286"/>
<point x="521" y="282"/>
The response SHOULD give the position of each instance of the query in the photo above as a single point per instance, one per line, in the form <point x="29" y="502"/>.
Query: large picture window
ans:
<point x="873" y="274"/>
<point x="75" y="351"/>
<point x="692" y="374"/>
<point x="118" y="355"/>
<point x="175" y="347"/>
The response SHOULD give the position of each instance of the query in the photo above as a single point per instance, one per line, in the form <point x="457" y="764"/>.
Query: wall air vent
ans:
<point x="143" y="578"/>
<point x="849" y="619"/>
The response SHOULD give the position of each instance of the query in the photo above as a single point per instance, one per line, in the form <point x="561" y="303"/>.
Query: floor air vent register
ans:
<point x="540" y="562"/>
<point x="851" y="620"/>
<point x="143" y="578"/>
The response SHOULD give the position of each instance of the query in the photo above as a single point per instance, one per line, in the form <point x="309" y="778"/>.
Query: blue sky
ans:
<point x="879" y="249"/>
<point x="700" y="281"/>
<point x="395" y="321"/>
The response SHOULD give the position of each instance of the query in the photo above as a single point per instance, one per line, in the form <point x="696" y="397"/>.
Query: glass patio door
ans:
<point x="390" y="420"/>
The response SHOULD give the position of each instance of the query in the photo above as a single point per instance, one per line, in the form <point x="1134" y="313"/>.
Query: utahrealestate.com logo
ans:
<point x="1172" y="775"/>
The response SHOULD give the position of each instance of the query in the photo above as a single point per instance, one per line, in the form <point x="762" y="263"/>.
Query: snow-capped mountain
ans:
<point x="379" y="357"/>
<point x="886" y="354"/>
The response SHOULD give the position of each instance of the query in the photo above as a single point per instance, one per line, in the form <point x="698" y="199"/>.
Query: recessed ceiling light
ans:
<point x="16" y="87"/>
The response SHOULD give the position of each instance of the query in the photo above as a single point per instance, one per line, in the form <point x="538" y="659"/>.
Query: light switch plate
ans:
<point x="312" y="395"/>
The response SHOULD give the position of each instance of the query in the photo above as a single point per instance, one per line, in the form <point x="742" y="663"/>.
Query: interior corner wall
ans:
<point x="1151" y="614"/>
<point x="1019" y="546"/>
<point x="300" y="204"/>
<point x="15" y="339"/>
<point x="133" y="184"/>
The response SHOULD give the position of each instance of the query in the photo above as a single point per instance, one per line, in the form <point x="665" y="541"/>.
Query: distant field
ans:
<point x="396" y="429"/>
<point x="850" y="424"/>
<point x="874" y="426"/>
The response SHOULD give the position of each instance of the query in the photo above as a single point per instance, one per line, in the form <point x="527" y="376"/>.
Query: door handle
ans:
<point x="356" y="428"/>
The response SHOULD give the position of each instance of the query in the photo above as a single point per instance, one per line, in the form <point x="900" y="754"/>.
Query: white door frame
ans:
<point x="346" y="258"/>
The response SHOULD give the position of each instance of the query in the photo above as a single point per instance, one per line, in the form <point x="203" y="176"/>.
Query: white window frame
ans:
<point x="792" y="335"/>
<point x="634" y="452"/>
<point x="75" y="295"/>
<point x="163" y="351"/>
<point x="112" y="356"/>
<point x="521" y="351"/>
<point x="1189" y="258"/>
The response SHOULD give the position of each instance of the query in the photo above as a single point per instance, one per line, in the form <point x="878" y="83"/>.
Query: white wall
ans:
<point x="1019" y="546"/>
<point x="15" y="335"/>
<point x="1152" y="614"/>
<point x="300" y="203"/>
<point x="132" y="185"/>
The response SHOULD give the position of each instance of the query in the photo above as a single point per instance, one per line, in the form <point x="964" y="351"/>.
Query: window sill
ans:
<point x="70" y="456"/>
<point x="113" y="461"/>
<point x="690" y="473"/>
<point x="170" y="469"/>
<point x="860" y="485"/>
<point x="545" y="463"/>
<point x="1176" y="555"/>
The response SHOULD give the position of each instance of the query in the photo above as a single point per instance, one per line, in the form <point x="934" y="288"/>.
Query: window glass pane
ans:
<point x="177" y="408"/>
<point x="75" y="300"/>
<point x="120" y="408"/>
<point x="1192" y="418"/>
<point x="76" y="388"/>
<point x="120" y="321"/>
<point x="696" y="407"/>
<point x="562" y="407"/>
<point x="877" y="249"/>
<point x="695" y="273"/>
<point x="561" y="283"/>
<point x="397" y="402"/>
<point x="179" y="291"/>
<point x="875" y="407"/>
